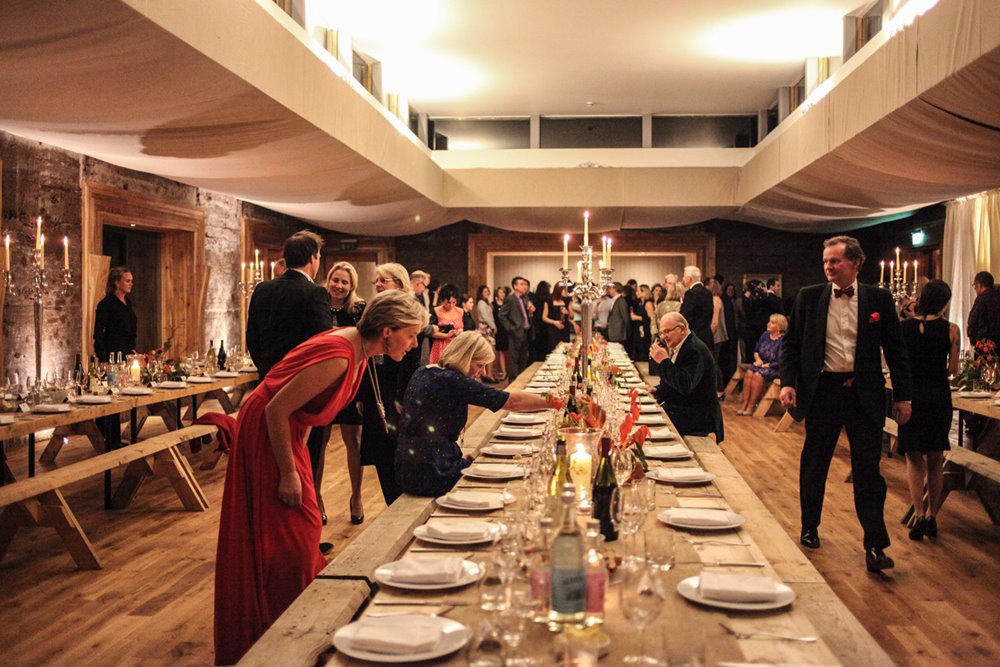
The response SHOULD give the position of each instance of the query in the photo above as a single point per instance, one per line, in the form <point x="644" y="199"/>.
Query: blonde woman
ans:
<point x="347" y="307"/>
<point x="766" y="357"/>
<point x="435" y="410"/>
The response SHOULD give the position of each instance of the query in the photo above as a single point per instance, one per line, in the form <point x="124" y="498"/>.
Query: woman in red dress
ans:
<point x="270" y="526"/>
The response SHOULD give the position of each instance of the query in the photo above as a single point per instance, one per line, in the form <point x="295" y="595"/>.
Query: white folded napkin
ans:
<point x="92" y="400"/>
<point x="248" y="369"/>
<point x="137" y="391"/>
<point x="458" y="530"/>
<point x="695" y="516"/>
<point x="524" y="418"/>
<point x="649" y="408"/>
<point x="649" y="419"/>
<point x="509" y="450"/>
<point x="665" y="450"/>
<point x="680" y="474"/>
<point x="512" y="432"/>
<point x="493" y="470"/>
<point x="6" y="419"/>
<point x="661" y="434"/>
<point x="389" y="635"/>
<point x="442" y="570"/>
<point x="227" y="374"/>
<point x="737" y="587"/>
<point x="172" y="384"/>
<point x="202" y="379"/>
<point x="51" y="407"/>
<point x="537" y="390"/>
<point x="472" y="499"/>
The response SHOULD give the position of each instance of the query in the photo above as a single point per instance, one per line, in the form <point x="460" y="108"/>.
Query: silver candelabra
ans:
<point x="589" y="289"/>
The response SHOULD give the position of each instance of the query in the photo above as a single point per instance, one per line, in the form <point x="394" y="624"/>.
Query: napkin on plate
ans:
<point x="472" y="499"/>
<point x="505" y="449"/>
<point x="389" y="635"/>
<point x="203" y="379"/>
<point x="523" y="418"/>
<point x="665" y="450"/>
<point x="136" y="391"/>
<point x="511" y="432"/>
<point x="51" y="407"/>
<point x="172" y="384"/>
<point x="458" y="530"/>
<point x="227" y="374"/>
<point x="493" y="470"/>
<point x="680" y="474"/>
<point x="91" y="399"/>
<point x="737" y="587"/>
<point x="695" y="516"/>
<point x="442" y="570"/>
<point x="649" y="419"/>
<point x="661" y="434"/>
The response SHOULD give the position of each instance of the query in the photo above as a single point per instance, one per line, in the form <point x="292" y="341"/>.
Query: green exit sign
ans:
<point x="348" y="244"/>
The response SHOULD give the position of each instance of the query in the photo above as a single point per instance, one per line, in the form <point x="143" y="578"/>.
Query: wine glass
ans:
<point x="641" y="598"/>
<point x="622" y="463"/>
<point x="628" y="513"/>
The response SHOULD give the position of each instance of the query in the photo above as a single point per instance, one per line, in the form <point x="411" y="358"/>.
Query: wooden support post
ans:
<point x="170" y="464"/>
<point x="49" y="510"/>
<point x="55" y="443"/>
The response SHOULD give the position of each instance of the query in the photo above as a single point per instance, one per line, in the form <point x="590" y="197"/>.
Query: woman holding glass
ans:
<point x="428" y="458"/>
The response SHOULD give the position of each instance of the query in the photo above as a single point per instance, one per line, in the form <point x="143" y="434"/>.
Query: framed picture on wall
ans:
<point x="762" y="277"/>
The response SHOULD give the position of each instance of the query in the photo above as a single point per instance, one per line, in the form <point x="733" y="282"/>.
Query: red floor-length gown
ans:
<point x="269" y="552"/>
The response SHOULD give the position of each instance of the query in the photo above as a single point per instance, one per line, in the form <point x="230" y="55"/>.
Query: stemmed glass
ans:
<point x="641" y="597"/>
<point x="989" y="375"/>
<point x="629" y="513"/>
<point x="622" y="463"/>
<point x="512" y="621"/>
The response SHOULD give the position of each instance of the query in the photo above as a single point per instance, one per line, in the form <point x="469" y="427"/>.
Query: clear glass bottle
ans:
<point x="211" y="360"/>
<point x="560" y="474"/>
<point x="568" y="580"/>
<point x="540" y="564"/>
<point x="597" y="573"/>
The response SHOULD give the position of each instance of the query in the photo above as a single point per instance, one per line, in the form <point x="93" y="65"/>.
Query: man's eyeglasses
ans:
<point x="380" y="280"/>
<point x="664" y="332"/>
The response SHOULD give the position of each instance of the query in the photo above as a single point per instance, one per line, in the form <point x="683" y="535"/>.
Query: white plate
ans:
<point x="654" y="473"/>
<point x="199" y="379"/>
<point x="467" y="472"/>
<point x="136" y="391"/>
<point x="686" y="454"/>
<point x="50" y="408"/>
<point x="688" y="588"/>
<point x="537" y="390"/>
<point x="420" y="532"/>
<point x="470" y="572"/>
<point x="492" y="450"/>
<point x="172" y="384"/>
<point x="6" y="420"/>
<point x="227" y="374"/>
<point x="91" y="400"/>
<point x="507" y="499"/>
<point x="509" y="432"/>
<point x="248" y="369"/>
<point x="651" y="420"/>
<point x="735" y="521"/>
<point x="975" y="394"/>
<point x="454" y="636"/>
<point x="662" y="434"/>
<point x="523" y="420"/>
<point x="624" y="391"/>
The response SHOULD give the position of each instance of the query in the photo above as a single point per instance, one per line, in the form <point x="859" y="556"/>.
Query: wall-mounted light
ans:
<point x="917" y="237"/>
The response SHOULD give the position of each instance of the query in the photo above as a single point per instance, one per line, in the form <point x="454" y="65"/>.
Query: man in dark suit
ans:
<point x="831" y="375"/>
<point x="772" y="302"/>
<point x="687" y="379"/>
<point x="285" y="312"/>
<point x="515" y="318"/>
<point x="696" y="306"/>
<point x="984" y="318"/>
<point x="619" y="322"/>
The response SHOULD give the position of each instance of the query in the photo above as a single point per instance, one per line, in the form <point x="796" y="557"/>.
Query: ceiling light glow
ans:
<point x="787" y="35"/>
<point x="428" y="76"/>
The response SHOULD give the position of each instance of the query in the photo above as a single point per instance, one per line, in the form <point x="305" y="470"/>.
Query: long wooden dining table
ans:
<point x="81" y="418"/>
<point x="346" y="589"/>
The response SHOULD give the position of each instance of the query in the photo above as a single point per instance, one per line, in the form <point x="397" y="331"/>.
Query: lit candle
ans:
<point x="897" y="256"/>
<point x="607" y="264"/>
<point x="565" y="264"/>
<point x="586" y="227"/>
<point x="604" y="249"/>
<point x="243" y="272"/>
<point x="41" y="252"/>
<point x="892" y="272"/>
<point x="881" y="272"/>
<point x="579" y="272"/>
<point x="38" y="233"/>
<point x="580" y="463"/>
<point x="256" y="259"/>
<point x="66" y="253"/>
<point x="6" y="248"/>
<point x="135" y="372"/>
<point x="600" y="264"/>
<point x="914" y="272"/>
<point x="272" y="270"/>
<point x="906" y="265"/>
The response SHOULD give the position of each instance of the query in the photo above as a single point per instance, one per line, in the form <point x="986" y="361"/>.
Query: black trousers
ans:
<point x="835" y="407"/>
<point x="519" y="356"/>
<point x="315" y="443"/>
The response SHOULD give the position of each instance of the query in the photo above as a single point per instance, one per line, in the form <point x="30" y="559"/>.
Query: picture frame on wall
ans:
<point x="762" y="277"/>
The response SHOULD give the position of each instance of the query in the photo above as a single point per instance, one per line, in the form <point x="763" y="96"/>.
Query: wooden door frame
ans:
<point x="697" y="247"/>
<point x="184" y="275"/>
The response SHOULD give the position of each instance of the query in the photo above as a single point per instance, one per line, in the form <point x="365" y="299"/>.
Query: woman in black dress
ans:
<point x="933" y="346"/>
<point x="557" y="319"/>
<point x="503" y="345"/>
<point x="115" y="326"/>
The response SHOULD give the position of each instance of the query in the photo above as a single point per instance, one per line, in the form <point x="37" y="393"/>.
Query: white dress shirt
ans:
<point x="677" y="350"/>
<point x="841" y="332"/>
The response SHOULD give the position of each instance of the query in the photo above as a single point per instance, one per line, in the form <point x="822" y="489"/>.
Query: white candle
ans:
<point x="243" y="272"/>
<point x="6" y="248"/>
<point x="272" y="270"/>
<point x="579" y="272"/>
<point x="881" y="272"/>
<point x="897" y="256"/>
<point x="586" y="227"/>
<point x="607" y="264"/>
<point x="906" y="265"/>
<point x="66" y="253"/>
<point x="914" y="272"/>
<point x="256" y="259"/>
<point x="565" y="263"/>
<point x="135" y="372"/>
<point x="600" y="264"/>
<point x="892" y="271"/>
<point x="580" y="463"/>
<point x="41" y="252"/>
<point x="38" y="233"/>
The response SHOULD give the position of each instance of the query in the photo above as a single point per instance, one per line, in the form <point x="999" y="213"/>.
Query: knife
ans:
<point x="724" y="563"/>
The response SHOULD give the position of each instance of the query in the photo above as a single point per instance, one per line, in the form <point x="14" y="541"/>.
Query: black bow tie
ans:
<point x="847" y="291"/>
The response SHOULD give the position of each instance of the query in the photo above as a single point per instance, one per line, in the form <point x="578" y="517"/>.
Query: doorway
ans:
<point x="140" y="251"/>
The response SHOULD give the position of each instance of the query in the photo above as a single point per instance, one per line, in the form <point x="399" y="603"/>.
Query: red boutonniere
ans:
<point x="874" y="319"/>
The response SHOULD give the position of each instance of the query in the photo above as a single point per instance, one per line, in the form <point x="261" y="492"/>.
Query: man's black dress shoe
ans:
<point x="810" y="538"/>
<point x="325" y="547"/>
<point x="876" y="560"/>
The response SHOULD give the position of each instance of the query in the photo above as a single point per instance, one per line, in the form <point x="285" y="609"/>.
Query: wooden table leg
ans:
<point x="31" y="455"/>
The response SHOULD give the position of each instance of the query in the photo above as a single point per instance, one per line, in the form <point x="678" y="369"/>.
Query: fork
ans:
<point x="772" y="635"/>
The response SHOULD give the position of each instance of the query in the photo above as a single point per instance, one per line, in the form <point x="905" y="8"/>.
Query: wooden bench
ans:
<point x="38" y="501"/>
<point x="770" y="396"/>
<point x="971" y="470"/>
<point x="736" y="379"/>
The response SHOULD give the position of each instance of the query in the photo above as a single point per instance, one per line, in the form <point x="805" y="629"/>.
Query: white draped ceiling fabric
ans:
<point x="234" y="97"/>
<point x="971" y="245"/>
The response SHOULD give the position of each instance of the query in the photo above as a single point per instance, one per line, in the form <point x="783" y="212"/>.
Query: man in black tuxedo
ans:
<point x="515" y="318"/>
<point x="696" y="306"/>
<point x="285" y="312"/>
<point x="772" y="302"/>
<point x="831" y="375"/>
<point x="687" y="379"/>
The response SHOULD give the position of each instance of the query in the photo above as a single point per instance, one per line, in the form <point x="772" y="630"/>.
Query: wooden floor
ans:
<point x="152" y="602"/>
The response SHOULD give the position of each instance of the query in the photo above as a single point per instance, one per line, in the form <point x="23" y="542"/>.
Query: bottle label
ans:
<point x="539" y="584"/>
<point x="569" y="590"/>
<point x="596" y="582"/>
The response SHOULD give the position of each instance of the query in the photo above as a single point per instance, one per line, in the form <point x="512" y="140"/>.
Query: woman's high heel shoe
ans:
<point x="932" y="530"/>
<point x="355" y="518"/>
<point x="919" y="529"/>
<point x="323" y="516"/>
